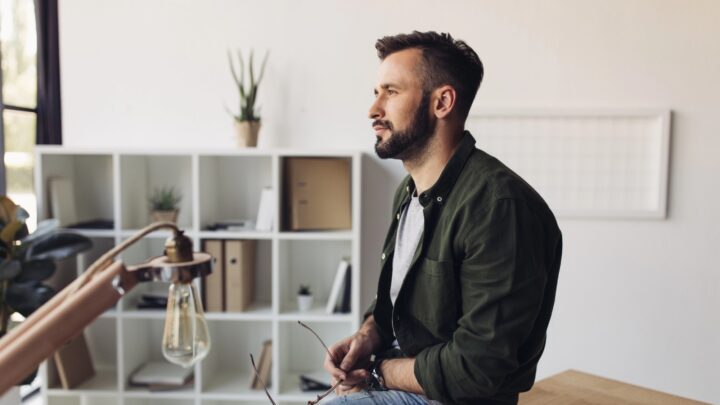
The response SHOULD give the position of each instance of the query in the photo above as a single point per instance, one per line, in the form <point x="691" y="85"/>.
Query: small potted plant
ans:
<point x="304" y="298"/>
<point x="165" y="204"/>
<point x="247" y="122"/>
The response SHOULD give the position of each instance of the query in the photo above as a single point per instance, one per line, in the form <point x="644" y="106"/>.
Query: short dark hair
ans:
<point x="446" y="61"/>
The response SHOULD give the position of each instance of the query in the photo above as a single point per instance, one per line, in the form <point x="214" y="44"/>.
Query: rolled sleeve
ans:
<point x="502" y="280"/>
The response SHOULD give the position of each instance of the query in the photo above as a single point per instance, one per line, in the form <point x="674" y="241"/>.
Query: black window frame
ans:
<point x="48" y="113"/>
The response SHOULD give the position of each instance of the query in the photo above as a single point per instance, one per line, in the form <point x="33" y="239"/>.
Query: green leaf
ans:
<point x="36" y="270"/>
<point x="21" y="214"/>
<point x="262" y="68"/>
<point x="9" y="269"/>
<point x="27" y="297"/>
<point x="44" y="227"/>
<point x="58" y="246"/>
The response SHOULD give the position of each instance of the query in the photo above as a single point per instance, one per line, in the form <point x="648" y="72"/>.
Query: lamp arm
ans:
<point x="67" y="314"/>
<point x="57" y="324"/>
<point x="99" y="265"/>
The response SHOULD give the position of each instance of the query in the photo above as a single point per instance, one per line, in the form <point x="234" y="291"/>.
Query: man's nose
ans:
<point x="376" y="112"/>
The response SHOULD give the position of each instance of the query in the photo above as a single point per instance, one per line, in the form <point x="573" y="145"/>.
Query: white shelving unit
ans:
<point x="216" y="185"/>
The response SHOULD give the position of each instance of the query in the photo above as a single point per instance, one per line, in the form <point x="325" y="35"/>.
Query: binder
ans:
<point x="214" y="283"/>
<point x="239" y="274"/>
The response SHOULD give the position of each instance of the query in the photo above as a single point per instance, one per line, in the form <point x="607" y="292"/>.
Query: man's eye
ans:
<point x="392" y="92"/>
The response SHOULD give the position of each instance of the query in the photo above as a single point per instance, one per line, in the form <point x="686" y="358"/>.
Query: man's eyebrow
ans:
<point x="386" y="86"/>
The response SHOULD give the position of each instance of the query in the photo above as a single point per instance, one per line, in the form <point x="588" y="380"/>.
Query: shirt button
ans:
<point x="439" y="199"/>
<point x="397" y="216"/>
<point x="407" y="188"/>
<point x="382" y="256"/>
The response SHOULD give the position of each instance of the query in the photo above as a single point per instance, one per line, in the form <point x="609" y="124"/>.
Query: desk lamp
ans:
<point x="185" y="338"/>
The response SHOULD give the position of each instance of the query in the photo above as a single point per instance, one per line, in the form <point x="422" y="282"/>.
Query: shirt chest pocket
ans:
<point x="434" y="299"/>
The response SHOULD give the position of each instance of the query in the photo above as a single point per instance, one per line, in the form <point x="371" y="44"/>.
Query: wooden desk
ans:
<point x="573" y="387"/>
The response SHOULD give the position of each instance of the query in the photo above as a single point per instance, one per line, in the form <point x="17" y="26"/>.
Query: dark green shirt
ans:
<point x="475" y="304"/>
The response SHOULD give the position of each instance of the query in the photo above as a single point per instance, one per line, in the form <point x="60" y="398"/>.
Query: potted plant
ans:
<point x="26" y="260"/>
<point x="304" y="298"/>
<point x="247" y="122"/>
<point x="165" y="204"/>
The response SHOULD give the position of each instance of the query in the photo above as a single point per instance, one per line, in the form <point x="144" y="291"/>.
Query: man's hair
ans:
<point x="446" y="61"/>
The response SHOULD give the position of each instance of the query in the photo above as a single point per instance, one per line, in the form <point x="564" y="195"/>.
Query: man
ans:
<point x="471" y="259"/>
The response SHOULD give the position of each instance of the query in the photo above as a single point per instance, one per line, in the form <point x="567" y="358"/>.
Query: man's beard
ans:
<point x="412" y="141"/>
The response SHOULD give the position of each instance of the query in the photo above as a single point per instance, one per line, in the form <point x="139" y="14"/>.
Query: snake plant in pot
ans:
<point x="27" y="260"/>
<point x="247" y="122"/>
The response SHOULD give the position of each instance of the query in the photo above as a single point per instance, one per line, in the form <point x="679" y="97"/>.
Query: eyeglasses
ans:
<point x="320" y="397"/>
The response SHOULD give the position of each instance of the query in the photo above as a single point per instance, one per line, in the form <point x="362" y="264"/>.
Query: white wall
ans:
<point x="637" y="301"/>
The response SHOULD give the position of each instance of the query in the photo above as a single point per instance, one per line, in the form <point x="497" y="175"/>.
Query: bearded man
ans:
<point x="470" y="263"/>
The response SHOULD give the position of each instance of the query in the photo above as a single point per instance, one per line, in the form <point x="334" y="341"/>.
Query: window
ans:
<point x="29" y="93"/>
<point x="18" y="101"/>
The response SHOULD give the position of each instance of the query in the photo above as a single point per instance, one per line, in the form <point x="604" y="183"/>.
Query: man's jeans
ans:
<point x="366" y="397"/>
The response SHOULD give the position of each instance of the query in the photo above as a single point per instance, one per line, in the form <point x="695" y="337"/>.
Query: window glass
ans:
<point x="18" y="38"/>
<point x="19" y="131"/>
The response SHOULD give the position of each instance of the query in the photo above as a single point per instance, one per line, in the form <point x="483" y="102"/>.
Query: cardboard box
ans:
<point x="317" y="194"/>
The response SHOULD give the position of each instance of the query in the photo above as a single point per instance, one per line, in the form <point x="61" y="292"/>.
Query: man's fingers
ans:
<point x="348" y="362"/>
<point x="355" y="377"/>
<point x="331" y="368"/>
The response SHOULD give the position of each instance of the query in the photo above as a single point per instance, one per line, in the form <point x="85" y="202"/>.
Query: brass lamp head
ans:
<point x="178" y="248"/>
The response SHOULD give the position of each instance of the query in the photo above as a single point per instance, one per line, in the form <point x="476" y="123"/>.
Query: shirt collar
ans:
<point x="439" y="191"/>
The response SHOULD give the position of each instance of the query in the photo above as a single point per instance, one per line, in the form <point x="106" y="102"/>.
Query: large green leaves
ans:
<point x="9" y="269"/>
<point x="36" y="270"/>
<point x="25" y="298"/>
<point x="57" y="246"/>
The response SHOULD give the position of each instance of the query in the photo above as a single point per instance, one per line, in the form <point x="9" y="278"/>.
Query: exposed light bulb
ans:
<point x="185" y="339"/>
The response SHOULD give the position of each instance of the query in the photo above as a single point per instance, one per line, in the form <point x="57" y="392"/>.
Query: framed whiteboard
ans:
<point x="585" y="163"/>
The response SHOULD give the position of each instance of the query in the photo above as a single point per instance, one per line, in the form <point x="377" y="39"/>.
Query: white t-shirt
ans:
<point x="409" y="231"/>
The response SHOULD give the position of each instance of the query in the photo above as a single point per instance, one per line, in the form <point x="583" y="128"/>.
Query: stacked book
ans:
<point x="161" y="376"/>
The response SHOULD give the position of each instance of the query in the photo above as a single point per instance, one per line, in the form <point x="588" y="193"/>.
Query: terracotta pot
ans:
<point x="247" y="133"/>
<point x="165" y="216"/>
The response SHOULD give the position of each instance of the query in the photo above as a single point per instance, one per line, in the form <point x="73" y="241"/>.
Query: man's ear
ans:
<point x="444" y="98"/>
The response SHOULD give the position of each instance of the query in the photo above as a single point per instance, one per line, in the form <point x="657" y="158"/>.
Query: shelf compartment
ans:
<point x="227" y="369"/>
<point x="326" y="235"/>
<point x="143" y="250"/>
<point x="141" y="342"/>
<point x="256" y="235"/>
<point x="227" y="192"/>
<point x="140" y="175"/>
<point x="301" y="352"/>
<point x="256" y="312"/>
<point x="317" y="193"/>
<point x="140" y="252"/>
<point x="69" y="268"/>
<point x="91" y="177"/>
<point x="259" y="399"/>
<point x="309" y="262"/>
<point x="101" y="338"/>
<point x="262" y="274"/>
<point x="103" y="383"/>
<point x="83" y="399"/>
<point x="155" y="401"/>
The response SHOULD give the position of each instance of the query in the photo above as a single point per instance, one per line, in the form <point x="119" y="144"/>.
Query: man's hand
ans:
<point x="349" y="358"/>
